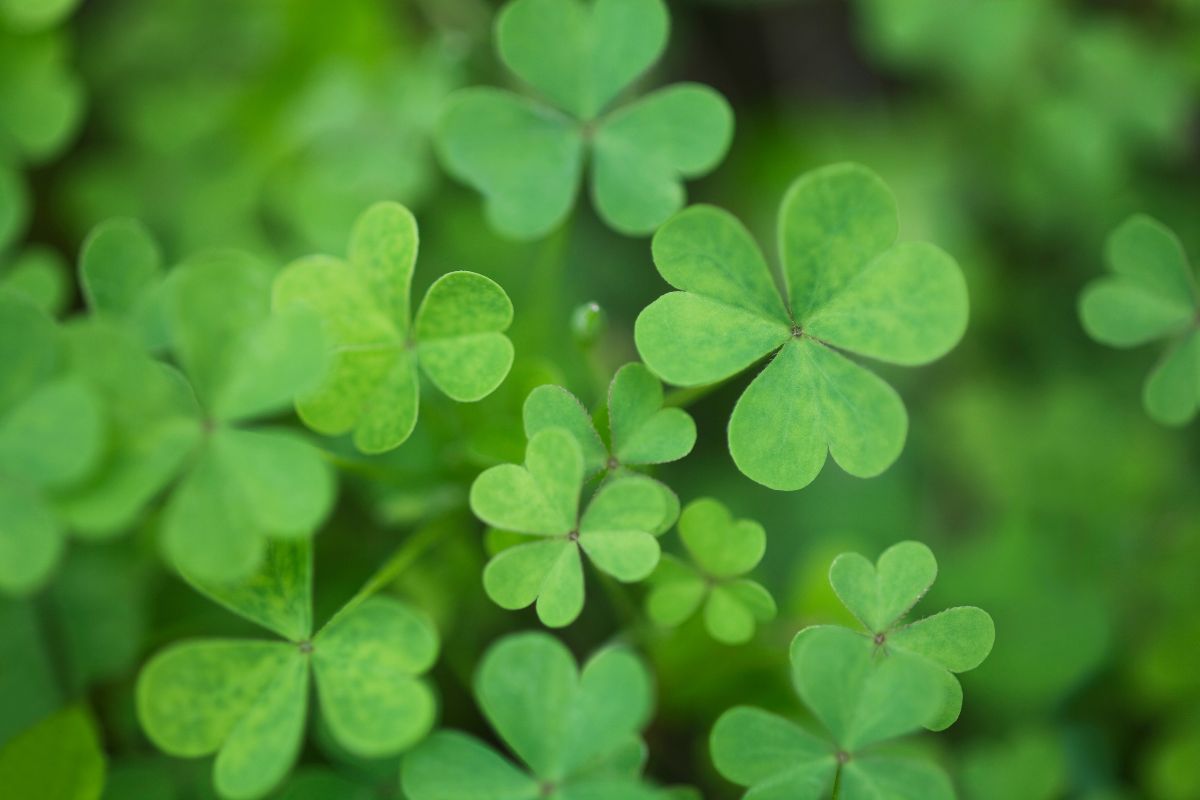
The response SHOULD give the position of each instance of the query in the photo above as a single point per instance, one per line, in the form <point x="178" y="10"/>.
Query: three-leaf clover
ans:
<point x="723" y="549"/>
<point x="862" y="701"/>
<point x="576" y="731"/>
<point x="1151" y="295"/>
<point x="51" y="438"/>
<point x="244" y="483"/>
<point x="541" y="499"/>
<point x="880" y="596"/>
<point x="372" y="387"/>
<point x="641" y="432"/>
<point x="247" y="700"/>
<point x="527" y="158"/>
<point x="849" y="287"/>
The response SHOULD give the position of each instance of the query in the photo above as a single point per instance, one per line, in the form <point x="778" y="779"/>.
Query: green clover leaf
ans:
<point x="861" y="701"/>
<point x="41" y="101"/>
<point x="527" y="158"/>
<point x="244" y="483"/>
<point x="723" y="550"/>
<point x="457" y="338"/>
<point x="577" y="732"/>
<point x="246" y="700"/>
<point x="641" y="431"/>
<point x="59" y="758"/>
<point x="121" y="275"/>
<point x="541" y="499"/>
<point x="1151" y="295"/>
<point x="51" y="438"/>
<point x="880" y="596"/>
<point x="849" y="287"/>
<point x="40" y="275"/>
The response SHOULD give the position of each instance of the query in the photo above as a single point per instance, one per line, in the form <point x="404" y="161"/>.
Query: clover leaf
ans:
<point x="862" y="702"/>
<point x="40" y="275"/>
<point x="51" y="438"/>
<point x="723" y="549"/>
<point x="246" y="700"/>
<point x="121" y="275"/>
<point x="881" y="595"/>
<point x="244" y="483"/>
<point x="850" y="289"/>
<point x="457" y="338"/>
<point x="576" y="732"/>
<point x="616" y="531"/>
<point x="59" y="758"/>
<point x="526" y="156"/>
<point x="41" y="100"/>
<point x="1151" y="295"/>
<point x="641" y="432"/>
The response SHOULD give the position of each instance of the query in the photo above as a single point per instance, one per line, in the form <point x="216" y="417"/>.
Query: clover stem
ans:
<point x="624" y="608"/>
<point x="542" y="320"/>
<point x="401" y="559"/>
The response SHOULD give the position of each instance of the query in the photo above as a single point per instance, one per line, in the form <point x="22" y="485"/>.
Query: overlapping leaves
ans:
<point x="526" y="156"/>
<point x="849" y="289"/>
<point x="372" y="387"/>
<point x="1151" y="295"/>
<point x="616" y="531"/>
<point x="246" y="700"/>
<point x="575" y="732"/>
<point x="722" y="550"/>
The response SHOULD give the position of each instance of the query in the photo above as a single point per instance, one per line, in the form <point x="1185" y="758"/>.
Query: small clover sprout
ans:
<point x="247" y="700"/>
<point x="880" y="596"/>
<point x="862" y="701"/>
<point x="51" y="438"/>
<point x="526" y="156"/>
<point x="372" y="388"/>
<point x="640" y="431"/>
<point x="616" y="531"/>
<point x="1151" y="295"/>
<point x="723" y="549"/>
<point x="243" y="484"/>
<point x="576" y="732"/>
<point x="850" y="288"/>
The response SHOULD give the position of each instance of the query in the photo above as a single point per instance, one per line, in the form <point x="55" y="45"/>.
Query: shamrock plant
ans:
<point x="640" y="431"/>
<point x="849" y="289"/>
<point x="1151" y="295"/>
<point x="372" y="387"/>
<point x="577" y="732"/>
<point x="722" y="549"/>
<point x="247" y="700"/>
<point x="862" y="702"/>
<point x="540" y="499"/>
<point x="526" y="156"/>
<point x="881" y="595"/>
<point x="51" y="438"/>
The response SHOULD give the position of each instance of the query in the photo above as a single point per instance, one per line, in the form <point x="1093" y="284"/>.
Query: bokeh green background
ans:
<point x="1015" y="133"/>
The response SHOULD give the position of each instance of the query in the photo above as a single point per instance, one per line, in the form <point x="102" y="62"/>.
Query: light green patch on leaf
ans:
<point x="849" y="289"/>
<point x="881" y="595"/>
<point x="371" y="386"/>
<point x="59" y="758"/>
<point x="526" y="156"/>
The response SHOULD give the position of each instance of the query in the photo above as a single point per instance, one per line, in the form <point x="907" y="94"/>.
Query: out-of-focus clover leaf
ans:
<point x="244" y="483"/>
<point x="35" y="15"/>
<point x="881" y="595"/>
<point x="723" y="549"/>
<point x="861" y="701"/>
<point x="246" y="700"/>
<point x="59" y="758"/>
<point x="1031" y="765"/>
<point x="616" y="530"/>
<point x="51" y="438"/>
<point x="1151" y="295"/>
<point x="849" y="287"/>
<point x="41" y="102"/>
<point x="372" y="388"/>
<point x="121" y="275"/>
<point x="40" y="275"/>
<point x="526" y="156"/>
<point x="577" y="732"/>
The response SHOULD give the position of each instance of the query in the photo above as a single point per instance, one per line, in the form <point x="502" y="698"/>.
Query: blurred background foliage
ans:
<point x="1015" y="133"/>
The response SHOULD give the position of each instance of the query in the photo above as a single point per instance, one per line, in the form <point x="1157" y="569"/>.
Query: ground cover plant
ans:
<point x="347" y="452"/>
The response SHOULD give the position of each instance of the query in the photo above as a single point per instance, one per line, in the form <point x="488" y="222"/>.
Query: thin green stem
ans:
<point x="401" y="559"/>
